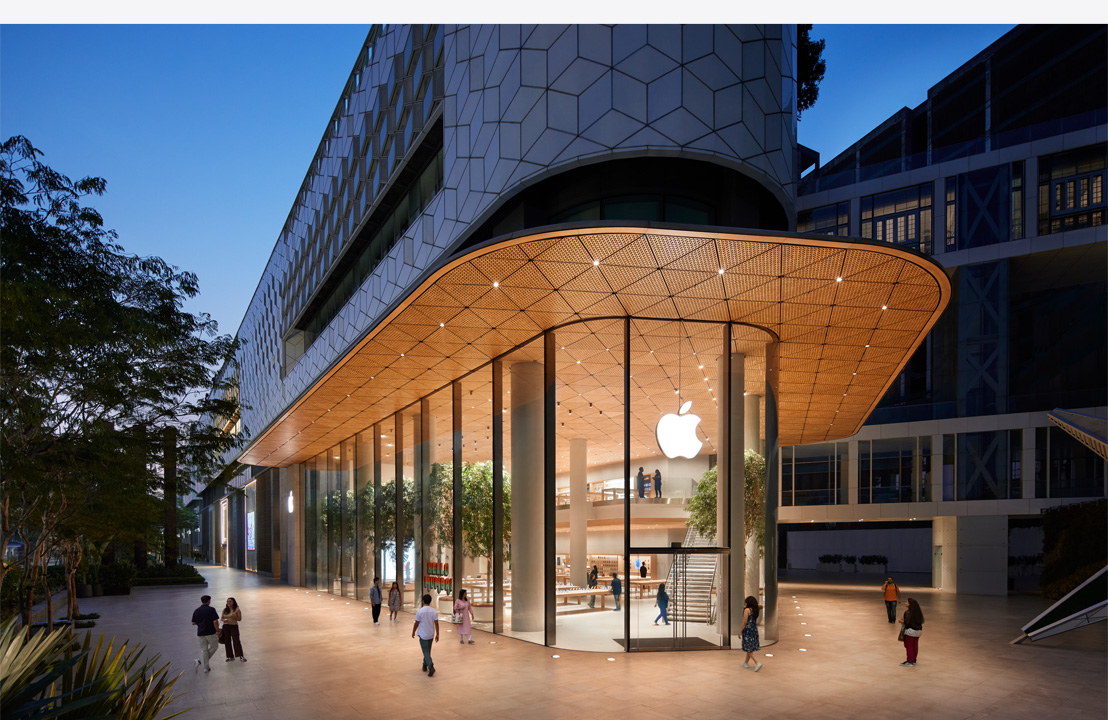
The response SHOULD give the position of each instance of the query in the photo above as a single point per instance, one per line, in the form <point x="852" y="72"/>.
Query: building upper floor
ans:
<point x="446" y="136"/>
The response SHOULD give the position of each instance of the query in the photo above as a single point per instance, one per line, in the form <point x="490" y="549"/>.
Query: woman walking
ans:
<point x="913" y="628"/>
<point x="750" y="632"/>
<point x="394" y="601"/>
<point x="464" y="608"/>
<point x="232" y="615"/>
<point x="662" y="603"/>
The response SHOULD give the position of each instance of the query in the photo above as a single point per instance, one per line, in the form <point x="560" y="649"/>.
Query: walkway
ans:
<point x="316" y="657"/>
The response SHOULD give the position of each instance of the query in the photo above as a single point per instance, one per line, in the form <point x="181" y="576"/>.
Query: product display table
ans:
<point x="601" y="593"/>
<point x="644" y="584"/>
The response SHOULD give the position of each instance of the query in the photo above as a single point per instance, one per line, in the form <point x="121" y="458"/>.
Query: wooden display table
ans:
<point x="644" y="584"/>
<point x="602" y="593"/>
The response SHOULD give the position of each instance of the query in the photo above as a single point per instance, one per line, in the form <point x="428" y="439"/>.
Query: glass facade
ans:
<point x="901" y="217"/>
<point x="826" y="220"/>
<point x="1071" y="189"/>
<point x="518" y="480"/>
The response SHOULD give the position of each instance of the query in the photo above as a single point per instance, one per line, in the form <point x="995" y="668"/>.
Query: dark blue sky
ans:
<point x="204" y="133"/>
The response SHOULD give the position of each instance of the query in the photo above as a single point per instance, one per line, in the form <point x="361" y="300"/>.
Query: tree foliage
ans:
<point x="702" y="505"/>
<point x="810" y="68"/>
<point x="98" y="356"/>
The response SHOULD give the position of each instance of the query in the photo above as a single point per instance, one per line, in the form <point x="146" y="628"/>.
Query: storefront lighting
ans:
<point x="290" y="502"/>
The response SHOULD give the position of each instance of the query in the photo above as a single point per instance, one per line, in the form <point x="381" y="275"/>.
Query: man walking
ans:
<point x="375" y="599"/>
<point x="206" y="620"/>
<point x="427" y="625"/>
<point x="617" y="589"/>
<point x="892" y="597"/>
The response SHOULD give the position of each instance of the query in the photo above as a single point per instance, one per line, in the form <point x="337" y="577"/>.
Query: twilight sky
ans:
<point x="204" y="132"/>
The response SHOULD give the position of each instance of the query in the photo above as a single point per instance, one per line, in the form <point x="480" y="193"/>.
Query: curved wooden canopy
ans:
<point x="848" y="315"/>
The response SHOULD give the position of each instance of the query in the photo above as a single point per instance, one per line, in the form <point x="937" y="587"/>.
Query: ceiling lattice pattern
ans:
<point x="848" y="315"/>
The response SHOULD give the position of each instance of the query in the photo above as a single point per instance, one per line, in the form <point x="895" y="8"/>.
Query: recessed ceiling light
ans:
<point x="594" y="264"/>
<point x="496" y="283"/>
<point x="884" y="307"/>
<point x="442" y="324"/>
<point x="838" y="279"/>
<point x="721" y="271"/>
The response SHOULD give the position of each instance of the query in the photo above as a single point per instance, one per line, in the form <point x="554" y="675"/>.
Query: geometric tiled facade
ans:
<point x="516" y="103"/>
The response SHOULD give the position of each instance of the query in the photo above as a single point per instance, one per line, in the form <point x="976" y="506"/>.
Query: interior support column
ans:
<point x="497" y="494"/>
<point x="378" y="506"/>
<point x="731" y="485"/>
<point x="549" y="490"/>
<point x="527" y="497"/>
<point x="457" y="559"/>
<point x="398" y="479"/>
<point x="578" y="511"/>
<point x="773" y="454"/>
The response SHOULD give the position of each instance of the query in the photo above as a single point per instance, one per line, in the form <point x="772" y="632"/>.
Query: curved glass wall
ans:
<point x="520" y="483"/>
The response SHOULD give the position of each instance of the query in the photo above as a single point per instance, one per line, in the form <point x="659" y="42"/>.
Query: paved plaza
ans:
<point x="319" y="657"/>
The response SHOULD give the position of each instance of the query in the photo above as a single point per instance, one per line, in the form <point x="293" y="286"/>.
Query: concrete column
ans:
<point x="944" y="553"/>
<point x="936" y="470"/>
<point x="730" y="486"/>
<point x="527" y="497"/>
<point x="1027" y="464"/>
<point x="752" y="424"/>
<point x="851" y="472"/>
<point x="773" y="480"/>
<point x="1031" y="198"/>
<point x="578" y="511"/>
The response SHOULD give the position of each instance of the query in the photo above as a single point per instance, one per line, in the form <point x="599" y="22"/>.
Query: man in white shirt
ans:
<point x="427" y="625"/>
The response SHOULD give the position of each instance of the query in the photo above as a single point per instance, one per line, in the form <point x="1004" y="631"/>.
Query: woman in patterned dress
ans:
<point x="751" y="610"/>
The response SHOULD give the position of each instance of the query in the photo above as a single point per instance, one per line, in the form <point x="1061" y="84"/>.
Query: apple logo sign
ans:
<point x="676" y="434"/>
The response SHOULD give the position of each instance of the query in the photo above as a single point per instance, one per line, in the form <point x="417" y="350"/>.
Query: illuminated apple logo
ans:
<point x="677" y="434"/>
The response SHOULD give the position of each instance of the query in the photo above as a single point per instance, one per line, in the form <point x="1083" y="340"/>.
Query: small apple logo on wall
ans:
<point x="676" y="434"/>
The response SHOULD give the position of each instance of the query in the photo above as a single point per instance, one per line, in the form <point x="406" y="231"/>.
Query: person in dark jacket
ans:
<point x="662" y="603"/>
<point x="593" y="578"/>
<point x="657" y="483"/>
<point x="913" y="628"/>
<point x="617" y="589"/>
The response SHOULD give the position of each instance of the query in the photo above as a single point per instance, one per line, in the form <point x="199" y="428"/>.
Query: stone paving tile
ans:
<point x="314" y="657"/>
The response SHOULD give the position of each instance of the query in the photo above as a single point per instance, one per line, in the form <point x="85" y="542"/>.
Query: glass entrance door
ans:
<point x="686" y="583"/>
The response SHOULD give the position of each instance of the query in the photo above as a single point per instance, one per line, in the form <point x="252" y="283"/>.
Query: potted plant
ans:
<point x="873" y="564"/>
<point x="830" y="563"/>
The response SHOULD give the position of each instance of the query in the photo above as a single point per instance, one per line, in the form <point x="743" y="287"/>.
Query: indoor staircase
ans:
<point x="690" y="582"/>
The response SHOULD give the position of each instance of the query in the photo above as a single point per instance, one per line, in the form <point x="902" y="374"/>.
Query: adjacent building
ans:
<point x="999" y="175"/>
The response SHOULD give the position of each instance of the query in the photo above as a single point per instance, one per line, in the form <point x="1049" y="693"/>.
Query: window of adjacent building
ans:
<point x="989" y="465"/>
<point x="901" y="217"/>
<point x="885" y="470"/>
<point x="826" y="220"/>
<point x="814" y="474"/>
<point x="1016" y="202"/>
<point x="951" y="234"/>
<point x="1064" y="468"/>
<point x="1071" y="190"/>
<point x="949" y="467"/>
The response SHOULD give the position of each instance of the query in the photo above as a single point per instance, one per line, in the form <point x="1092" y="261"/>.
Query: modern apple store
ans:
<point x="629" y="365"/>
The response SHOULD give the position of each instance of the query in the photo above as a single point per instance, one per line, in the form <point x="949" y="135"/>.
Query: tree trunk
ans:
<point x="49" y="598"/>
<point x="753" y="567"/>
<point x="169" y="492"/>
<point x="140" y="554"/>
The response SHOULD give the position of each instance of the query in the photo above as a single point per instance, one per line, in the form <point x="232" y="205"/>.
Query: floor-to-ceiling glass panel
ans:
<point x="411" y="505"/>
<point x="365" y="568"/>
<point x="675" y="420"/>
<point x="387" y="546"/>
<point x="345" y="479"/>
<point x="589" y="414"/>
<point x="251" y="496"/>
<point x="477" y="496"/>
<point x="438" y="502"/>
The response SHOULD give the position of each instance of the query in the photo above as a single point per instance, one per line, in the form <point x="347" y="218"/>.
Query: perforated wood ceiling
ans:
<point x="848" y="314"/>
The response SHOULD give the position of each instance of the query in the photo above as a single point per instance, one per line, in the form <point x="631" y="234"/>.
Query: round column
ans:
<point x="772" y="485"/>
<point x="730" y="489"/>
<point x="527" y="500"/>
<point x="752" y="422"/>
<point x="578" y="511"/>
